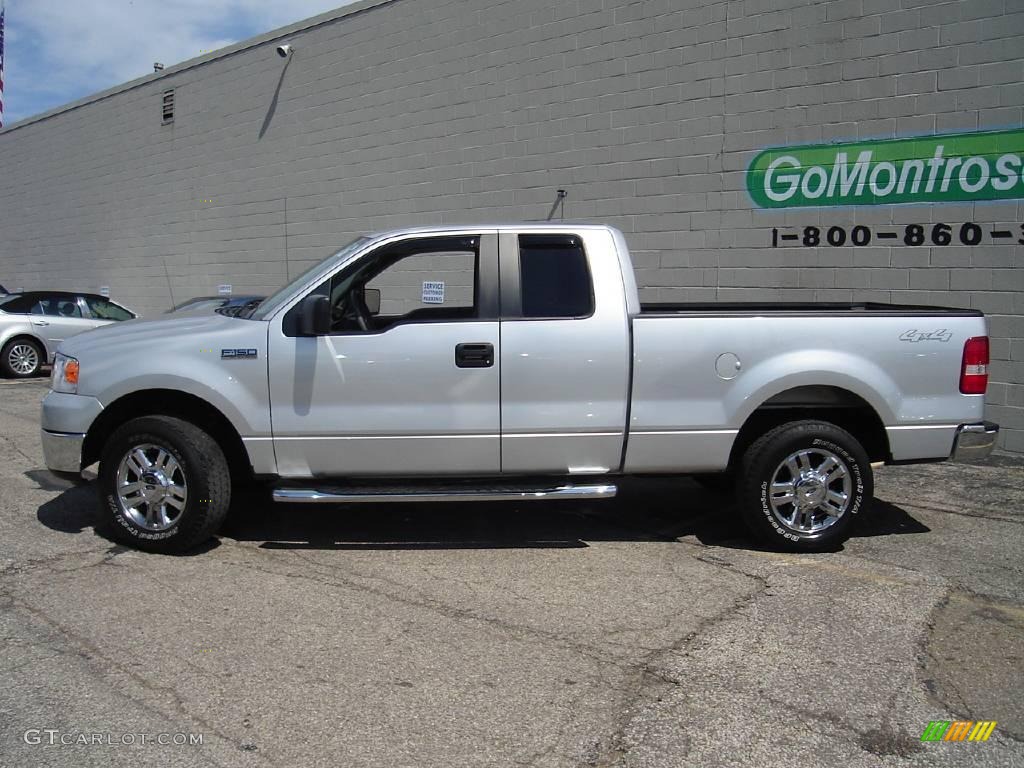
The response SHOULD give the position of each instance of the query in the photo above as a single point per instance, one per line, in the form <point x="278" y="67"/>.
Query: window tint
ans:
<point x="61" y="307"/>
<point x="553" y="276"/>
<point x="18" y="305"/>
<point x="102" y="309"/>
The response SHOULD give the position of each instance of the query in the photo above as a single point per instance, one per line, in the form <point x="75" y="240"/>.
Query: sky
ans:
<point x="58" y="51"/>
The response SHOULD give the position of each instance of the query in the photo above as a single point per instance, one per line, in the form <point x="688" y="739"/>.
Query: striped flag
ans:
<point x="2" y="12"/>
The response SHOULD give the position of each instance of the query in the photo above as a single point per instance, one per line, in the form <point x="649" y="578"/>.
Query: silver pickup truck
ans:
<point x="510" y="362"/>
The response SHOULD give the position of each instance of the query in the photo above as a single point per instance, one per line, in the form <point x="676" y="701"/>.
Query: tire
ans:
<point x="22" y="358"/>
<point x="191" y="489"/>
<point x="832" y="485"/>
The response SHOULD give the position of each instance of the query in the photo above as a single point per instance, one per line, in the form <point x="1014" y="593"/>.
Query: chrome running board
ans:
<point x="358" y="495"/>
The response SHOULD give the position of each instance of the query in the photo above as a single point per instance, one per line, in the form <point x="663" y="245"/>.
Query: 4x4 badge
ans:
<point x="235" y="354"/>
<point x="914" y="336"/>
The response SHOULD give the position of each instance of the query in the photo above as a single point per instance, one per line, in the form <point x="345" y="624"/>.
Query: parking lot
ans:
<point x="647" y="631"/>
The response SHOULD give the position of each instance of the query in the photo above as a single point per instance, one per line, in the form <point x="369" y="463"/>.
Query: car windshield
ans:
<point x="267" y="307"/>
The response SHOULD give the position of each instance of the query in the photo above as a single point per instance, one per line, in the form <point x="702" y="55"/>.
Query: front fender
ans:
<point x="244" y="406"/>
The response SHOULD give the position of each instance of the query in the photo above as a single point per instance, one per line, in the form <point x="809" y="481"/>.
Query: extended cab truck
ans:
<point x="510" y="362"/>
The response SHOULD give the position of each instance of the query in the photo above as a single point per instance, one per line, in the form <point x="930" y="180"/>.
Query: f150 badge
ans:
<point x="237" y="354"/>
<point x="914" y="336"/>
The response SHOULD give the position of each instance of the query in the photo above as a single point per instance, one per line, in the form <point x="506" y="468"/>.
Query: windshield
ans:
<point x="266" y="307"/>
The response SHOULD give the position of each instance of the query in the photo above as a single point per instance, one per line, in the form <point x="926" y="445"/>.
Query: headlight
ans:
<point x="65" y="374"/>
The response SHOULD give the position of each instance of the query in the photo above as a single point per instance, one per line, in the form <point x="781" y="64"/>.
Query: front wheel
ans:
<point x="803" y="485"/>
<point x="21" y="358"/>
<point x="165" y="484"/>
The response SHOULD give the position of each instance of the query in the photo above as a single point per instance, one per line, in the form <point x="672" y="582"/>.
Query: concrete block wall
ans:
<point x="423" y="111"/>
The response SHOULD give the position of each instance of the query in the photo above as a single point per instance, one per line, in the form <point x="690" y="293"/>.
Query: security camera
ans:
<point x="284" y="51"/>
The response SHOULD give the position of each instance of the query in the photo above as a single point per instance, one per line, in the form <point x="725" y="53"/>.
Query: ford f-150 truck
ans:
<point x="509" y="362"/>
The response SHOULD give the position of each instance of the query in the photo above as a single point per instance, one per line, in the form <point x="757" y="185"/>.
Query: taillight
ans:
<point x="974" y="371"/>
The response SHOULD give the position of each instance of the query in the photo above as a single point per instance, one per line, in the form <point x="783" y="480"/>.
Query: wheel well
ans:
<point x="837" y="406"/>
<point x="168" y="402"/>
<point x="27" y="337"/>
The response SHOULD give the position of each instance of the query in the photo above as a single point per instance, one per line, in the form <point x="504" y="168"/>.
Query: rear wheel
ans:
<point x="165" y="484"/>
<point x="21" y="358"/>
<point x="803" y="485"/>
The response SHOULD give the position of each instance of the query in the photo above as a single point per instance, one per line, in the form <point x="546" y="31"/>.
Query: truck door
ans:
<point x="406" y="382"/>
<point x="564" y="353"/>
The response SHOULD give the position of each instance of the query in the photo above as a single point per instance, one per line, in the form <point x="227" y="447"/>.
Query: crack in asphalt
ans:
<point x="959" y="513"/>
<point x="612" y="749"/>
<point x="639" y="677"/>
<point x="881" y="741"/>
<point x="14" y="446"/>
<point x="452" y="612"/>
<point x="951" y="698"/>
<point x="34" y="564"/>
<point x="91" y="654"/>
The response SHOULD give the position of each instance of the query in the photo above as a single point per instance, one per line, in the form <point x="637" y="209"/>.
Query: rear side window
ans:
<point x="18" y="305"/>
<point x="102" y="309"/>
<point x="553" y="277"/>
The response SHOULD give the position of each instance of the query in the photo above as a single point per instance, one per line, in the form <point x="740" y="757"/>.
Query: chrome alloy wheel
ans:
<point x="23" y="358"/>
<point x="810" y="490"/>
<point x="151" y="487"/>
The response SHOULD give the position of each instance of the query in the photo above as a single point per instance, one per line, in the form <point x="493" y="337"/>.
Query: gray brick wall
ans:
<point x="648" y="113"/>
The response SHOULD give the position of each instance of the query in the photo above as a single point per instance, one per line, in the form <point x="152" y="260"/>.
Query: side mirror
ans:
<point x="315" y="315"/>
<point x="371" y="298"/>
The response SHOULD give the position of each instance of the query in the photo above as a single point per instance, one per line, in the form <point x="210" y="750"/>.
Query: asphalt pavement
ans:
<point x="647" y="631"/>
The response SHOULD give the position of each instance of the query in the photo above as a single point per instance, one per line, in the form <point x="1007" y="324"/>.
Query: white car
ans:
<point x="33" y="324"/>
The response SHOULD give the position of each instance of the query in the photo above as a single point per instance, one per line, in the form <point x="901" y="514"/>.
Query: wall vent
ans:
<point x="167" y="107"/>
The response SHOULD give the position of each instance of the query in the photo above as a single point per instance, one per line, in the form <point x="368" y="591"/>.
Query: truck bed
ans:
<point x="875" y="309"/>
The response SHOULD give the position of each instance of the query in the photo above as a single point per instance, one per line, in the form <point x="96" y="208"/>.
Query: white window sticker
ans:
<point x="433" y="292"/>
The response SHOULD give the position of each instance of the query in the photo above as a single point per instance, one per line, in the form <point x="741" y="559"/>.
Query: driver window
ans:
<point x="431" y="279"/>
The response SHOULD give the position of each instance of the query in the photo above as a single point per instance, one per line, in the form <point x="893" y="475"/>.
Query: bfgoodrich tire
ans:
<point x="164" y="483"/>
<point x="22" y="358"/>
<point x="802" y="486"/>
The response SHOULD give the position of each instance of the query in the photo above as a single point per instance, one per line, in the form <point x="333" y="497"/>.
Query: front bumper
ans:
<point x="62" y="451"/>
<point x="65" y="420"/>
<point x="974" y="441"/>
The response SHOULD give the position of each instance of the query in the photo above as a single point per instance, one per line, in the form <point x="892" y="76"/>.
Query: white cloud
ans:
<point x="62" y="50"/>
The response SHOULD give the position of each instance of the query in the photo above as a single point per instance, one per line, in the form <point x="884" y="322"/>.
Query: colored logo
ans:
<point x="984" y="165"/>
<point x="958" y="730"/>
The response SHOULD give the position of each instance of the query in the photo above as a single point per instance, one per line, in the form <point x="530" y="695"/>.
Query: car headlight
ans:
<point x="65" y="374"/>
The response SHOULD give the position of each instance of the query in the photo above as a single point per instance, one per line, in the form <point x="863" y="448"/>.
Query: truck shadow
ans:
<point x="650" y="510"/>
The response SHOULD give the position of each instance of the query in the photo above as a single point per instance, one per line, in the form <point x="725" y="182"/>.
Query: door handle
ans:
<point x="40" y="322"/>
<point x="474" y="355"/>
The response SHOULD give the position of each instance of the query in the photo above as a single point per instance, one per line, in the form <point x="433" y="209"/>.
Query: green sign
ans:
<point x="985" y="165"/>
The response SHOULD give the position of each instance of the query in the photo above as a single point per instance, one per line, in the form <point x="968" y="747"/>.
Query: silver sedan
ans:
<point x="33" y="324"/>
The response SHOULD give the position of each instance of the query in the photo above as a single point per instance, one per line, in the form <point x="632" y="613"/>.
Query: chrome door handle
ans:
<point x="40" y="322"/>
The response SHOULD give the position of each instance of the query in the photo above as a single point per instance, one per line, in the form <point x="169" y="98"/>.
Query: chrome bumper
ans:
<point x="974" y="441"/>
<point x="62" y="451"/>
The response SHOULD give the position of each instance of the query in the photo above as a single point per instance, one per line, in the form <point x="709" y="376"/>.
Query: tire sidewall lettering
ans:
<point x="123" y="520"/>
<point x="853" y="464"/>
